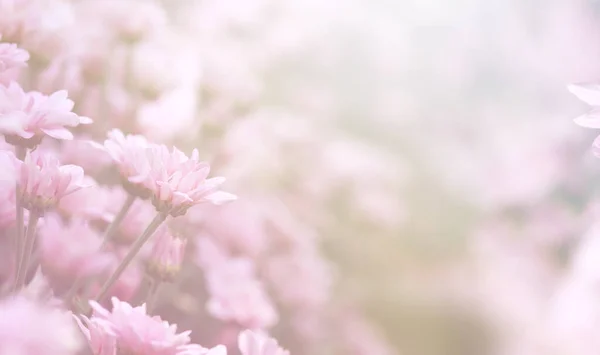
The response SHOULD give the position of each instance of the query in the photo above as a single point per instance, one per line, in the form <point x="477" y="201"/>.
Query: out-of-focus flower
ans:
<point x="136" y="332"/>
<point x="71" y="251"/>
<point x="237" y="296"/>
<point x="167" y="255"/>
<point x="254" y="343"/>
<point x="130" y="153"/>
<point x="179" y="182"/>
<point x="28" y="327"/>
<point x="96" y="202"/>
<point x="12" y="60"/>
<point x="26" y="117"/>
<point x="43" y="181"/>
<point x="80" y="152"/>
<point x="131" y="21"/>
<point x="590" y="94"/>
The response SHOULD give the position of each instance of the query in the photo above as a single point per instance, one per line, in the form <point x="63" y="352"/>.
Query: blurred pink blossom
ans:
<point x="28" y="327"/>
<point x="71" y="251"/>
<point x="12" y="59"/>
<point x="254" y="343"/>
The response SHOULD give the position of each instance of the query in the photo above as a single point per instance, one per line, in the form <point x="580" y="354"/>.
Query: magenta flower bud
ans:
<point x="166" y="257"/>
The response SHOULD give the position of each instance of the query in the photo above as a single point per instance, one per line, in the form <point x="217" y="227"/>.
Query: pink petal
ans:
<point x="588" y="93"/>
<point x="589" y="120"/>
<point x="58" y="133"/>
<point x="220" y="197"/>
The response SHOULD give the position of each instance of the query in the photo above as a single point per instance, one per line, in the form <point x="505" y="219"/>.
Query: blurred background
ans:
<point x="425" y="148"/>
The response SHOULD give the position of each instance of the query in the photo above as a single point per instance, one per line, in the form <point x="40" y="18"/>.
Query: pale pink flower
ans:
<point x="590" y="94"/>
<point x="96" y="202"/>
<point x="308" y="268"/>
<point x="237" y="296"/>
<point x="136" y="332"/>
<point x="130" y="154"/>
<point x="166" y="256"/>
<point x="12" y="60"/>
<point x="71" y="251"/>
<point x="28" y="327"/>
<point x="25" y="117"/>
<point x="254" y="343"/>
<point x="239" y="226"/>
<point x="179" y="182"/>
<point x="81" y="152"/>
<point x="101" y="339"/>
<point x="43" y="181"/>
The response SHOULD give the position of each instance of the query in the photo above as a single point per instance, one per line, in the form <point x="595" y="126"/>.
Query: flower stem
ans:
<point x="118" y="218"/>
<point x="135" y="248"/>
<point x="152" y="295"/>
<point x="20" y="152"/>
<point x="34" y="216"/>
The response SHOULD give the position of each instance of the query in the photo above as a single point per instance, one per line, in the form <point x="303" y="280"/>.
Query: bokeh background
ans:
<point x="425" y="147"/>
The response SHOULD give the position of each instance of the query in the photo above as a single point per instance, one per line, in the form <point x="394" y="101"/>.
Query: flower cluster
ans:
<point x="112" y="208"/>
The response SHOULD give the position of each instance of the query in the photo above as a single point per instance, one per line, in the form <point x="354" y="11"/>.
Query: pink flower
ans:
<point x="43" y="181"/>
<point x="95" y="202"/>
<point x="26" y="117"/>
<point x="12" y="60"/>
<point x="135" y="332"/>
<point x="590" y="94"/>
<point x="254" y="343"/>
<point x="130" y="153"/>
<point x="7" y="204"/>
<point x="179" y="182"/>
<point x="28" y="327"/>
<point x="70" y="251"/>
<point x="101" y="339"/>
<point x="237" y="296"/>
<point x="166" y="256"/>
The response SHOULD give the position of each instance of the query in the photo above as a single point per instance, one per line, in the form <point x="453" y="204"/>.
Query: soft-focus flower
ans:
<point x="237" y="296"/>
<point x="136" y="332"/>
<point x="167" y="255"/>
<point x="71" y="251"/>
<point x="28" y="327"/>
<point x="43" y="181"/>
<point x="254" y="343"/>
<point x="130" y="153"/>
<point x="26" y="117"/>
<point x="590" y="94"/>
<point x="12" y="60"/>
<point x="179" y="182"/>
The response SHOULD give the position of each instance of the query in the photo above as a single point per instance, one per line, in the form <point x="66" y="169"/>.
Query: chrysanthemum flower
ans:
<point x="43" y="181"/>
<point x="26" y="117"/>
<point x="135" y="332"/>
<point x="28" y="327"/>
<point x="130" y="154"/>
<point x="254" y="343"/>
<point x="70" y="251"/>
<point x="179" y="182"/>
<point x="12" y="60"/>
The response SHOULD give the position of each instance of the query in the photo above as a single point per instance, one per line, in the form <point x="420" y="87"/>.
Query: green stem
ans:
<point x="135" y="248"/>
